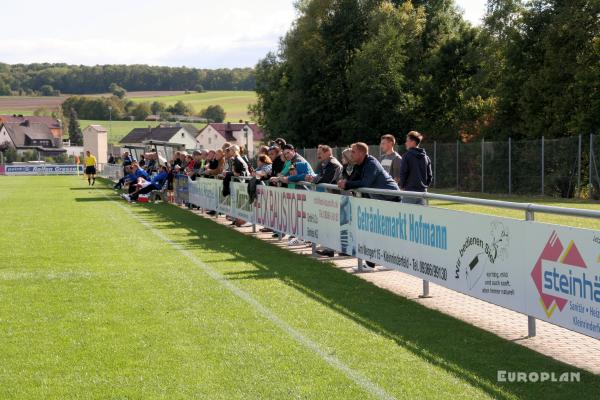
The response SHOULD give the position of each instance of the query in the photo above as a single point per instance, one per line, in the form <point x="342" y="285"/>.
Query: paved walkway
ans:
<point x="561" y="344"/>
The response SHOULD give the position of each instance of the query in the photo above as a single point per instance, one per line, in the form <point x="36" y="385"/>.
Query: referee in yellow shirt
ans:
<point x="90" y="168"/>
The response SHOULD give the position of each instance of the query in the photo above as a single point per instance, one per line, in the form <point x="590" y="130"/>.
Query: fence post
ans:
<point x="578" y="191"/>
<point x="434" y="163"/>
<point x="542" y="165"/>
<point x="457" y="186"/>
<point x="482" y="165"/>
<point x="425" y="294"/>
<point x="359" y="265"/>
<point x="590" y="166"/>
<point x="530" y="216"/>
<point x="509" y="166"/>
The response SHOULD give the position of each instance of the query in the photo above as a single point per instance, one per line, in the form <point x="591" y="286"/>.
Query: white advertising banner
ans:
<point x="532" y="268"/>
<point x="281" y="209"/>
<point x="43" y="169"/>
<point x="241" y="206"/>
<point x="204" y="192"/>
<point x="324" y="219"/>
<point x="223" y="202"/>
<point x="562" y="271"/>
<point x="472" y="254"/>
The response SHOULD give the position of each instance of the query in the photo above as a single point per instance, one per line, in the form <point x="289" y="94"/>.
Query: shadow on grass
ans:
<point x="472" y="354"/>
<point x="100" y="187"/>
<point x="91" y="199"/>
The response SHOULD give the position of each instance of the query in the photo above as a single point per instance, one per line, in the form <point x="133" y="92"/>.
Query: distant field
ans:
<point x="118" y="129"/>
<point x="26" y="104"/>
<point x="234" y="103"/>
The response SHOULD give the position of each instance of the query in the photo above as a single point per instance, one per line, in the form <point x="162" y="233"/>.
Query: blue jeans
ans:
<point x="413" y="200"/>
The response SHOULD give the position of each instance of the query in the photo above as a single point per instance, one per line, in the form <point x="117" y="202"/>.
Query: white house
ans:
<point x="214" y="135"/>
<point x="175" y="135"/>
<point x="95" y="139"/>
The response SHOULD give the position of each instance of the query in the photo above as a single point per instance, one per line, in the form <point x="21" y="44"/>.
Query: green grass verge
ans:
<point x="96" y="306"/>
<point x="545" y="218"/>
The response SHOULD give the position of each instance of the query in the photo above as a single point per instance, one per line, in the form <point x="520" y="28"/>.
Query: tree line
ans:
<point x="52" y="79"/>
<point x="355" y="69"/>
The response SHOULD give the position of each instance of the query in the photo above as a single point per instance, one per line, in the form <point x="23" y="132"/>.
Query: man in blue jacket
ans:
<point x="157" y="183"/>
<point x="136" y="172"/>
<point x="372" y="174"/>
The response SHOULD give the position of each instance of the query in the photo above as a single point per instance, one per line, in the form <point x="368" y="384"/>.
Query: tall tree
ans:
<point x="75" y="135"/>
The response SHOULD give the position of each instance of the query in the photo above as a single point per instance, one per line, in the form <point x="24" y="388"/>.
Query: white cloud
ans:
<point x="202" y="33"/>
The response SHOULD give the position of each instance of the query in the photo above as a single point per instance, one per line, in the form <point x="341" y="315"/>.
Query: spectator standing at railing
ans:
<point x="239" y="166"/>
<point x="216" y="166"/>
<point x="390" y="160"/>
<point x="348" y="167"/>
<point x="415" y="174"/>
<point x="278" y="162"/>
<point x="142" y="161"/>
<point x="111" y="159"/>
<point x="370" y="175"/>
<point x="329" y="169"/>
<point x="264" y="167"/>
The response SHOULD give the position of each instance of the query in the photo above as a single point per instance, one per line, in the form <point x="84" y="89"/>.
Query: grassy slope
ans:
<point x="109" y="311"/>
<point x="234" y="103"/>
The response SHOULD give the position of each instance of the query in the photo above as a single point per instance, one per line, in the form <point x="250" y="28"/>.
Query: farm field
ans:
<point x="234" y="103"/>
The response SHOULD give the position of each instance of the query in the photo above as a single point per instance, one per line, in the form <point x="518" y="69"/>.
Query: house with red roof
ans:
<point x="53" y="124"/>
<point x="214" y="135"/>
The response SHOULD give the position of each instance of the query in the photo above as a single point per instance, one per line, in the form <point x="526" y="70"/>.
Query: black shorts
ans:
<point x="91" y="170"/>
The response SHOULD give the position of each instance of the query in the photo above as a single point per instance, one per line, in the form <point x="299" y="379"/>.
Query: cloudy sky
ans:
<point x="194" y="33"/>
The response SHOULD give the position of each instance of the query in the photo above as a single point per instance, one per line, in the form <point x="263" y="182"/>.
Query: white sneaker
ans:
<point x="296" y="242"/>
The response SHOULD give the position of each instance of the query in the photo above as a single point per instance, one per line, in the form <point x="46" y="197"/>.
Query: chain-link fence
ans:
<point x="550" y="167"/>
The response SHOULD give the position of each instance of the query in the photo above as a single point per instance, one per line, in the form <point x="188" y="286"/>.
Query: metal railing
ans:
<point x="529" y="208"/>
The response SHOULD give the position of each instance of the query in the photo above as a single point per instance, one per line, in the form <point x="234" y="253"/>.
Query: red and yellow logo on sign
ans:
<point x="554" y="251"/>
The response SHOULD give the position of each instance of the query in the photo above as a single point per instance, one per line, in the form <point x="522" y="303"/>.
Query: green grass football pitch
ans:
<point x="103" y="299"/>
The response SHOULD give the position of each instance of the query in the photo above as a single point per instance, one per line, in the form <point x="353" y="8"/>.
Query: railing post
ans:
<point x="530" y="216"/>
<point x="509" y="166"/>
<point x="425" y="294"/>
<point x="359" y="265"/>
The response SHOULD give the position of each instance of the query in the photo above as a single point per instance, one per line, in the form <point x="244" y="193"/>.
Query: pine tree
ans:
<point x="75" y="135"/>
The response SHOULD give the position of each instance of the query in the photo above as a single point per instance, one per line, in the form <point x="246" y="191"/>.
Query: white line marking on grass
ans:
<point x="356" y="376"/>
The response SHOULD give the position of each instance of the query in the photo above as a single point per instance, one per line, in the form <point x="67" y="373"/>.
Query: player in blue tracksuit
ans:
<point x="155" y="184"/>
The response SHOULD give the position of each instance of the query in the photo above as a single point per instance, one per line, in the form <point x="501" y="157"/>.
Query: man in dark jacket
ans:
<point x="415" y="170"/>
<point x="329" y="169"/>
<point x="372" y="174"/>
